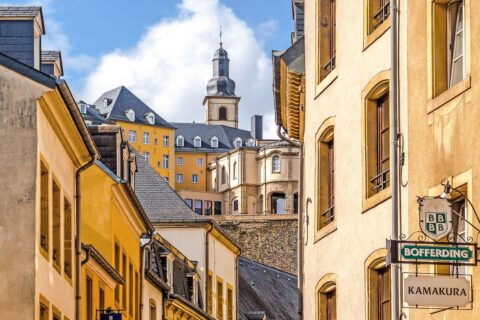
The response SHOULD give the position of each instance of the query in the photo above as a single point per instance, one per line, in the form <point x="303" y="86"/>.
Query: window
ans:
<point x="130" y="290"/>
<point x="235" y="170"/>
<point x="124" y="287"/>
<point x="67" y="238"/>
<point x="101" y="299"/>
<point x="200" y="162"/>
<point x="106" y="102"/>
<point x="189" y="203"/>
<point x="166" y="161"/>
<point x="56" y="223"/>
<point x="194" y="178"/>
<point x="460" y="231"/>
<point x="378" y="12"/>
<point x="214" y="142"/>
<point x="326" y="180"/>
<point x="379" y="291"/>
<point x="237" y="143"/>
<point x="235" y="205"/>
<point x="276" y="164"/>
<point x="278" y="203"/>
<point x="327" y="302"/>
<point x="130" y="115"/>
<point x="155" y="141"/>
<point x="153" y="310"/>
<point x="146" y="138"/>
<point x="132" y="136"/>
<point x="230" y="304"/>
<point x="222" y="113"/>
<point x="251" y="143"/>
<point x="448" y="36"/>
<point x="150" y="118"/>
<point x="219" y="300"/>
<point x="83" y="108"/>
<point x="198" y="207"/>
<point x="166" y="141"/>
<point x="210" y="294"/>
<point x="326" y="34"/>
<point x="159" y="164"/>
<point x="43" y="312"/>
<point x="146" y="156"/>
<point x="180" y="141"/>
<point x="224" y="175"/>
<point x="88" y="298"/>
<point x="197" y="142"/>
<point x="218" y="207"/>
<point x="208" y="207"/>
<point x="295" y="203"/>
<point x="180" y="161"/>
<point x="179" y="178"/>
<point x="117" y="268"/>
<point x="378" y="144"/>
<point x="44" y="215"/>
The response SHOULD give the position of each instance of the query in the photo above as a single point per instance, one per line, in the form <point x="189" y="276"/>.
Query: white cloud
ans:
<point x="170" y="66"/>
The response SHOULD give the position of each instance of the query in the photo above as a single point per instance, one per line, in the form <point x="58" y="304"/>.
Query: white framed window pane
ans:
<point x="179" y="178"/>
<point x="166" y="141"/>
<point x="180" y="161"/>
<point x="200" y="162"/>
<point x="166" y="161"/>
<point x="132" y="136"/>
<point x="146" y="156"/>
<point x="146" y="138"/>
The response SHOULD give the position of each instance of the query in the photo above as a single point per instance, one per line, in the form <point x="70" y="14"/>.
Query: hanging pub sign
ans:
<point x="431" y="291"/>
<point x="435" y="217"/>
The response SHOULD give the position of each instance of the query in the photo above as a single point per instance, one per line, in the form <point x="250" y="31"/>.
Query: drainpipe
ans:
<point x="237" y="310"/>
<point x="78" y="242"/>
<point x="144" y="242"/>
<point x="207" y="266"/>
<point x="394" y="175"/>
<point x="300" y="220"/>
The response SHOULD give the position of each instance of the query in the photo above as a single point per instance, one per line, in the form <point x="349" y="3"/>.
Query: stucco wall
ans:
<point x="271" y="242"/>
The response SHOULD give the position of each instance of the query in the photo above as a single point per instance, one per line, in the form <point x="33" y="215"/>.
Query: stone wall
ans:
<point x="271" y="242"/>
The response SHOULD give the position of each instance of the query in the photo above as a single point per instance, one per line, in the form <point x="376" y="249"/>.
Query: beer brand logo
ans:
<point x="435" y="218"/>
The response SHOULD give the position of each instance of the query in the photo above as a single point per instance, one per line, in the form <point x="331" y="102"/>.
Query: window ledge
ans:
<point x="373" y="201"/>
<point x="325" y="231"/>
<point x="450" y="94"/>
<point x="369" y="39"/>
<point x="326" y="82"/>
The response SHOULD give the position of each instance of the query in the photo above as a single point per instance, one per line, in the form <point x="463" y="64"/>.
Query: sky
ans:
<point x="162" y="50"/>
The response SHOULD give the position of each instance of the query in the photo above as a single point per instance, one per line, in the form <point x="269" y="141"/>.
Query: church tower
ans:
<point x="221" y="103"/>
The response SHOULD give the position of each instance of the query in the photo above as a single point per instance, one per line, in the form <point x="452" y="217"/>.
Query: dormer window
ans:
<point x="130" y="115"/>
<point x="251" y="143"/>
<point x="106" y="102"/>
<point x="237" y="143"/>
<point x="180" y="141"/>
<point x="197" y="142"/>
<point x="192" y="283"/>
<point x="83" y="108"/>
<point x="214" y="142"/>
<point x="150" y="118"/>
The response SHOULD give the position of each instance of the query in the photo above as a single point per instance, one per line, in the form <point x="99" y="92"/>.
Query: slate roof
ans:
<point x="158" y="199"/>
<point x="265" y="289"/>
<point x="120" y="100"/>
<point x="22" y="12"/>
<point x="94" y="116"/>
<point x="226" y="135"/>
<point x="51" y="55"/>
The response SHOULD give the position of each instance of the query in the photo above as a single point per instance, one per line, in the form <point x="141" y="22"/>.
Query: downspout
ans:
<point x="142" y="272"/>
<point x="394" y="174"/>
<point x="207" y="266"/>
<point x="78" y="242"/>
<point x="300" y="220"/>
<point x="237" y="309"/>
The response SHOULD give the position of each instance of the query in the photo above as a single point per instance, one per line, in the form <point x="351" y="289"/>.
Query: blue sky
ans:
<point x="162" y="49"/>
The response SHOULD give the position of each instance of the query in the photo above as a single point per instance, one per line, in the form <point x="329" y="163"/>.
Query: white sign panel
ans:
<point x="435" y="217"/>
<point x="436" y="291"/>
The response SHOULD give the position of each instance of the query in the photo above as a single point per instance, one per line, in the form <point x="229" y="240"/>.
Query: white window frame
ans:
<point x="83" y="108"/>
<point x="180" y="161"/>
<point x="166" y="141"/>
<point x="166" y="161"/>
<point x="276" y="166"/>
<point x="197" y="142"/>
<point x="132" y="136"/>
<point x="146" y="156"/>
<point x="150" y="118"/>
<point x="130" y="114"/>
<point x="194" y="178"/>
<point x="200" y="162"/>
<point x="237" y="143"/>
<point x="214" y="142"/>
<point x="180" y="141"/>
<point x="146" y="138"/>
<point x="179" y="178"/>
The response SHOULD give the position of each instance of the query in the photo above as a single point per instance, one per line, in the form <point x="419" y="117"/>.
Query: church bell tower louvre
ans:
<point x="221" y="103"/>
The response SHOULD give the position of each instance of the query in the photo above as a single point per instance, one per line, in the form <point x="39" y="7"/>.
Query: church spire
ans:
<point x="221" y="84"/>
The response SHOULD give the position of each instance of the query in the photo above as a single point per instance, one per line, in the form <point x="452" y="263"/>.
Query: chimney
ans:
<point x="52" y="63"/>
<point x="21" y="29"/>
<point x="257" y="127"/>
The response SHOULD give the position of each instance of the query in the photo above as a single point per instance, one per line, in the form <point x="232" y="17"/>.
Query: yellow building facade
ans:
<point x="191" y="169"/>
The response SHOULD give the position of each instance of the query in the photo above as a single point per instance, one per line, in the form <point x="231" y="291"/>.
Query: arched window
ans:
<point x="153" y="310"/>
<point x="377" y="136"/>
<point x="224" y="175"/>
<point x="130" y="114"/>
<point x="237" y="143"/>
<point x="197" y="142"/>
<point x="278" y="203"/>
<point x="276" y="164"/>
<point x="326" y="179"/>
<point x="378" y="283"/>
<point x="180" y="141"/>
<point x="235" y="170"/>
<point x="222" y="113"/>
<point x="214" y="142"/>
<point x="326" y="298"/>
